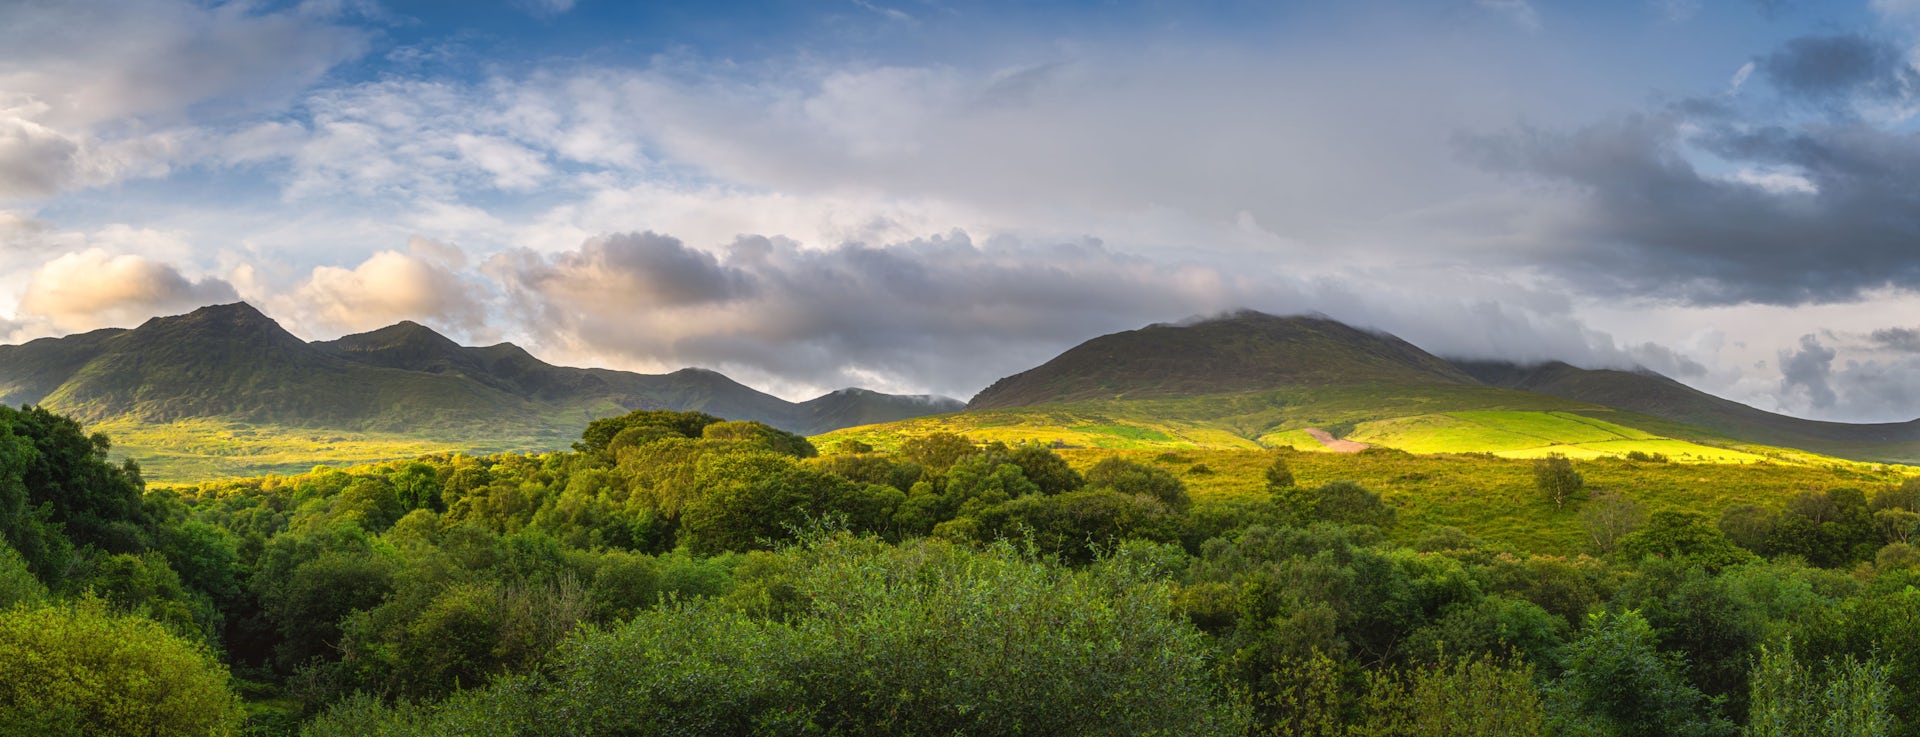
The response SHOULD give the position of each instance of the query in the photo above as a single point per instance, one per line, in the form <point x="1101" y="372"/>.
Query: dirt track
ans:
<point x="1335" y="444"/>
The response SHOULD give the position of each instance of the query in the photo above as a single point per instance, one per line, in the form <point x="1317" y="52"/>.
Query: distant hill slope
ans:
<point x="1265" y="380"/>
<point x="231" y="367"/>
<point x="1649" y="393"/>
<point x="1245" y="351"/>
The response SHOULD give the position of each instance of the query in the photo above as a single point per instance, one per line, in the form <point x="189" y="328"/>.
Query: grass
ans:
<point x="188" y="451"/>
<point x="1416" y="419"/>
<point x="1494" y="498"/>
<point x="1445" y="456"/>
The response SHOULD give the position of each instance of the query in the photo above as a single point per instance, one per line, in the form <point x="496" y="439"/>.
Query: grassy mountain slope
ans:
<point x="36" y="368"/>
<point x="1246" y="351"/>
<point x="231" y="361"/>
<point x="1652" y="394"/>
<point x="1251" y="380"/>
<point x="225" y="389"/>
<point x="1417" y="419"/>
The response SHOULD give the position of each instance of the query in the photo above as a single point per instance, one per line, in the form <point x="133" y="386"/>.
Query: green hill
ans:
<point x="226" y="389"/>
<point x="1245" y="351"/>
<point x="1249" y="380"/>
<point x="1651" y="394"/>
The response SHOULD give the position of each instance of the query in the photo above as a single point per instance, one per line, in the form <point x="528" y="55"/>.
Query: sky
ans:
<point x="921" y="196"/>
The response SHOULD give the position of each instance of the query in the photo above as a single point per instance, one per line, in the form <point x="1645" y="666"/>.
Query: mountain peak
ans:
<point x="405" y="334"/>
<point x="230" y="312"/>
<point x="1239" y="351"/>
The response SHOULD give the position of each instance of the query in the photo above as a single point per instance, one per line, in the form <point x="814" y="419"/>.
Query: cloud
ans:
<point x="1838" y="69"/>
<point x="1904" y="340"/>
<point x="948" y="314"/>
<point x="940" y="312"/>
<point x="92" y="288"/>
<point x="93" y="92"/>
<point x="1807" y="374"/>
<point x="1740" y="77"/>
<point x="34" y="160"/>
<point x="1815" y="214"/>
<point x="388" y="287"/>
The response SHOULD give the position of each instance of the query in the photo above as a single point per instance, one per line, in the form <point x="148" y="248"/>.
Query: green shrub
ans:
<point x="81" y="669"/>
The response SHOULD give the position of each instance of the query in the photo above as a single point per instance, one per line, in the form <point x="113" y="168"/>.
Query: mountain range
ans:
<point x="237" y="385"/>
<point x="233" y="363"/>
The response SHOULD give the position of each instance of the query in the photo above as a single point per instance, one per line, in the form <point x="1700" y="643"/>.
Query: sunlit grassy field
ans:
<point x="1494" y="498"/>
<point x="196" y="450"/>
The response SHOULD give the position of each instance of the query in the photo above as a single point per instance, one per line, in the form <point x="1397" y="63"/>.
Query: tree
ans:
<point x="1478" y="696"/>
<point x="1790" y="699"/>
<point x="600" y="434"/>
<point x="80" y="668"/>
<point x="1609" y="516"/>
<point x="1682" y="535"/>
<point x="1279" y="474"/>
<point x="1046" y="469"/>
<point x="762" y="435"/>
<point x="1347" y="503"/>
<point x="937" y="451"/>
<point x="1555" y="478"/>
<point x="1617" y="682"/>
<point x="1118" y="474"/>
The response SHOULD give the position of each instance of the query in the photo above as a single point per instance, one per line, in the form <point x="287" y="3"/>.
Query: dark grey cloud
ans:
<point x="1840" y="68"/>
<point x="942" y="312"/>
<point x="630" y="271"/>
<point x="1904" y="340"/>
<point x="1808" y="372"/>
<point x="1810" y="214"/>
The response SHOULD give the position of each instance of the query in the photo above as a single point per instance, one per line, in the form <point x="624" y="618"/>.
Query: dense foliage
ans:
<point x="677" y="573"/>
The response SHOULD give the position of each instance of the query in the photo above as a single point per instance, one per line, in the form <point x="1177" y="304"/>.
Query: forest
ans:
<point x="676" y="573"/>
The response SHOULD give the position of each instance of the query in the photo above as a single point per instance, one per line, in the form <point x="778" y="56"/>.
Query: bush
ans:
<point x="79" y="667"/>
<point x="926" y="638"/>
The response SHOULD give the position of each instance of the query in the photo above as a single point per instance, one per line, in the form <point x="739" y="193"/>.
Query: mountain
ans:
<point x="852" y="407"/>
<point x="1241" y="352"/>
<point x="233" y="363"/>
<point x="1650" y="393"/>
<point x="1248" y="379"/>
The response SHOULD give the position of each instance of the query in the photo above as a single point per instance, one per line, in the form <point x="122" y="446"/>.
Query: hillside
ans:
<point x="226" y="388"/>
<point x="1249" y="380"/>
<point x="1245" y="351"/>
<point x="1650" y="393"/>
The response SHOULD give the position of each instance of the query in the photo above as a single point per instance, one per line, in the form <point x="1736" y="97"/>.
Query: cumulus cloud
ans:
<point x="388" y="287"/>
<point x="1820" y="381"/>
<point x="92" y="288"/>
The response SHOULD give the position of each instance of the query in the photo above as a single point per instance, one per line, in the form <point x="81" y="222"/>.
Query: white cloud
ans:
<point x="386" y="288"/>
<point x="1775" y="181"/>
<point x="92" y="288"/>
<point x="1740" y="77"/>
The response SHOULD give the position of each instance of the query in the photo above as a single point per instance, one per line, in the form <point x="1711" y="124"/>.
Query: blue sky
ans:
<point x="923" y="196"/>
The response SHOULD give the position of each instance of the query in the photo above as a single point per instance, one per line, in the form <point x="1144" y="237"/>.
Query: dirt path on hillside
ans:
<point x="1335" y="444"/>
